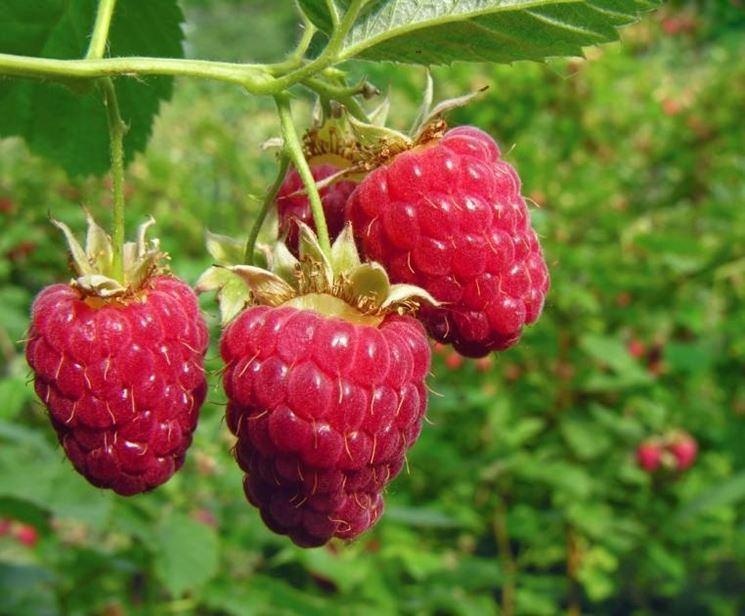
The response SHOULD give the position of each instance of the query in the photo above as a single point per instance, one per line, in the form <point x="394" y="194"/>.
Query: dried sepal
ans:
<point x="266" y="288"/>
<point x="94" y="265"/>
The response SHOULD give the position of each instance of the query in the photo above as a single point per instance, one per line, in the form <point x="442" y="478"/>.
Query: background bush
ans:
<point x="522" y="491"/>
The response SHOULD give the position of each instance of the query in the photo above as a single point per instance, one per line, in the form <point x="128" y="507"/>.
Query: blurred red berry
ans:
<point x="454" y="361"/>
<point x="649" y="456"/>
<point x="5" y="524"/>
<point x="637" y="348"/>
<point x="484" y="364"/>
<point x="6" y="205"/>
<point x="26" y="535"/>
<point x="685" y="450"/>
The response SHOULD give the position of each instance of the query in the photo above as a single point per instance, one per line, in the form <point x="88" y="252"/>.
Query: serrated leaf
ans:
<point x="68" y="128"/>
<point x="416" y="32"/>
<point x="187" y="553"/>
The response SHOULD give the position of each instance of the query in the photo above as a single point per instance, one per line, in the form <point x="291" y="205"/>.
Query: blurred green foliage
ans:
<point x="523" y="490"/>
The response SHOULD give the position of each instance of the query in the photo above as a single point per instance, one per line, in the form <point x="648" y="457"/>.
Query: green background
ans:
<point x="523" y="487"/>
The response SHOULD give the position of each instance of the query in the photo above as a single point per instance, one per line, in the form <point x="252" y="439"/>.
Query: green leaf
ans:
<point x="187" y="553"/>
<point x="730" y="492"/>
<point x="416" y="32"/>
<point x="68" y="128"/>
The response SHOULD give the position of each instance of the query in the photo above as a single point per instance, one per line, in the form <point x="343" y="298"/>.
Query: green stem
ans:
<point x="345" y="96"/>
<point x="294" y="150"/>
<point x="269" y="197"/>
<point x="256" y="78"/>
<point x="100" y="35"/>
<point x="116" y="137"/>
<point x="330" y="54"/>
<point x="259" y="79"/>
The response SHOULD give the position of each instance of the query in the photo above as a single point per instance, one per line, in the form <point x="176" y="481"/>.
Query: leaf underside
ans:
<point x="70" y="128"/>
<point x="503" y="31"/>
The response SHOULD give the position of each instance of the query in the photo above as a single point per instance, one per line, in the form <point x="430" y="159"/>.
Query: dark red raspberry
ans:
<point x="448" y="217"/>
<point x="324" y="410"/>
<point x="293" y="207"/>
<point x="123" y="381"/>
<point x="649" y="456"/>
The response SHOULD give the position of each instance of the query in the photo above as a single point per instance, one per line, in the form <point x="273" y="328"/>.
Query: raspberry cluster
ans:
<point x="324" y="414"/>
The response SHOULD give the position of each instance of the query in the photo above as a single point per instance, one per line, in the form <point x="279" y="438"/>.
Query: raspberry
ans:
<point x="122" y="380"/>
<point x="649" y="456"/>
<point x="324" y="410"/>
<point x="26" y="535"/>
<point x="448" y="217"/>
<point x="685" y="450"/>
<point x="296" y="207"/>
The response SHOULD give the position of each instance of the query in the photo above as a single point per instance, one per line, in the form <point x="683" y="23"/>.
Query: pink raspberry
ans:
<point x="123" y="380"/>
<point x="685" y="450"/>
<point x="649" y="456"/>
<point x="296" y="207"/>
<point x="324" y="410"/>
<point x="448" y="217"/>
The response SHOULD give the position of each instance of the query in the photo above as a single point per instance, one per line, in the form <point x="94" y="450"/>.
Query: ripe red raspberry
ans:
<point x="123" y="380"/>
<point x="447" y="216"/>
<point x="324" y="410"/>
<point x="293" y="206"/>
<point x="684" y="450"/>
<point x="649" y="456"/>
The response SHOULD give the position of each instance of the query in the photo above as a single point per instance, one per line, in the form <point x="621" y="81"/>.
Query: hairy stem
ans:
<point x="269" y="197"/>
<point x="345" y="96"/>
<point x="330" y="53"/>
<point x="294" y="151"/>
<point x="116" y="138"/>
<point x="255" y="78"/>
<point x="100" y="35"/>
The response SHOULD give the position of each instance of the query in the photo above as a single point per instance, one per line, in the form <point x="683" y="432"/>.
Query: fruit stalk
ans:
<point x="294" y="151"/>
<point x="100" y="35"/>
<point x="271" y="194"/>
<point x="116" y="138"/>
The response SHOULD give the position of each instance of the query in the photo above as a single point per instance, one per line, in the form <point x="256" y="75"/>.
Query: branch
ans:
<point x="256" y="78"/>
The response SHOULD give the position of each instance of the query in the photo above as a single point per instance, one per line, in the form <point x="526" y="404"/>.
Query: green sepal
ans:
<point x="344" y="255"/>
<point x="223" y="249"/>
<point x="369" y="281"/>
<point x="232" y="293"/>
<point x="374" y="136"/>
